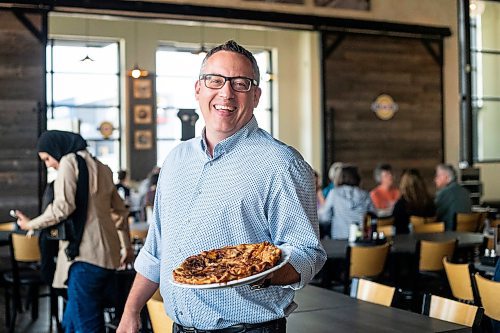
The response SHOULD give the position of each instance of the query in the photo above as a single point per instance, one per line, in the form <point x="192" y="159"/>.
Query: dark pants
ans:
<point x="87" y="290"/>
<point x="275" y="326"/>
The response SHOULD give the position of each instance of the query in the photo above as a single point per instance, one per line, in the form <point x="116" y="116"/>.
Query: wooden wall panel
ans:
<point x="22" y="79"/>
<point x="361" y="68"/>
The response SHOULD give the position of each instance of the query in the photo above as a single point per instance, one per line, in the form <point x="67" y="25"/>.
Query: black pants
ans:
<point x="275" y="326"/>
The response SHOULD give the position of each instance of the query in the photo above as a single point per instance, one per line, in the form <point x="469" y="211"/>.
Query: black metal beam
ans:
<point x="208" y="13"/>
<point x="466" y="130"/>
<point x="436" y="55"/>
<point x="39" y="34"/>
<point x="328" y="49"/>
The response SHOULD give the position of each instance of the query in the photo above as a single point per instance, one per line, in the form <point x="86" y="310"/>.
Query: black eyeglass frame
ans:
<point x="253" y="82"/>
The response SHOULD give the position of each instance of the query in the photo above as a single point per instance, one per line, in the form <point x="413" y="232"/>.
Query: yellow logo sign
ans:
<point x="106" y="129"/>
<point x="384" y="107"/>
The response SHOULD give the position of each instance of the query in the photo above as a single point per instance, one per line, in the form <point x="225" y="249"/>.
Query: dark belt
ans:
<point x="239" y="328"/>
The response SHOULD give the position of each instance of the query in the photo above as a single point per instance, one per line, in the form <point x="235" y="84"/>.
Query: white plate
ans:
<point x="285" y="256"/>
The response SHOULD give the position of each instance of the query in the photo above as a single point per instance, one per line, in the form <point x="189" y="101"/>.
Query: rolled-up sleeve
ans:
<point x="294" y="222"/>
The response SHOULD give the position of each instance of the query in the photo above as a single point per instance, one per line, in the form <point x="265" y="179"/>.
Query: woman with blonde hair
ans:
<point x="414" y="200"/>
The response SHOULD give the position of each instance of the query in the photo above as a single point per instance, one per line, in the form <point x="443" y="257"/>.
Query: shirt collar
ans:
<point x="228" y="144"/>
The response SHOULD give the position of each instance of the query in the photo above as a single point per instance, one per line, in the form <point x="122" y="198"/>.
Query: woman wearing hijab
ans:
<point x="83" y="192"/>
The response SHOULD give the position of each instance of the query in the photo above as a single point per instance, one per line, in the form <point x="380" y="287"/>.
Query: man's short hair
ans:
<point x="350" y="176"/>
<point x="450" y="170"/>
<point x="377" y="173"/>
<point x="232" y="46"/>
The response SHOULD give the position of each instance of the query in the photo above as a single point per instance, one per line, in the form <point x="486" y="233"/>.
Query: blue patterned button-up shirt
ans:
<point x="253" y="189"/>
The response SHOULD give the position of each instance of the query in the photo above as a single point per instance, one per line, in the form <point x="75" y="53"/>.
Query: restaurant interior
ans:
<point x="412" y="83"/>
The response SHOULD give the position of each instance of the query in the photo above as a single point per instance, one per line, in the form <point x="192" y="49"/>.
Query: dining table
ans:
<point x="406" y="243"/>
<point x="324" y="311"/>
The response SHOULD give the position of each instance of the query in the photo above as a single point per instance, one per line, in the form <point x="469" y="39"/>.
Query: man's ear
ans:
<point x="256" y="96"/>
<point x="197" y="89"/>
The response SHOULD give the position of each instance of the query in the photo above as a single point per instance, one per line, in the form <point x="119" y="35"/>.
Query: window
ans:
<point x="83" y="94"/>
<point x="177" y="70"/>
<point x="485" y="57"/>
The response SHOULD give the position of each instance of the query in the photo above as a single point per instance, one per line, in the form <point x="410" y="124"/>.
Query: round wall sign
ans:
<point x="384" y="107"/>
<point x="106" y="129"/>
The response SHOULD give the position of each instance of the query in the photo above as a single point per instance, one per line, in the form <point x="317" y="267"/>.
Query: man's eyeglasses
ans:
<point x="238" y="83"/>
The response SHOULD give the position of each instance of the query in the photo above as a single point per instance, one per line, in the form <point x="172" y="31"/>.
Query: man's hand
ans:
<point x="130" y="323"/>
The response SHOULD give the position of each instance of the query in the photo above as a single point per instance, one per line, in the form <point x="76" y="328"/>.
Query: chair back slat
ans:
<point x="453" y="311"/>
<point x="429" y="227"/>
<point x="459" y="278"/>
<point x="8" y="226"/>
<point x="374" y="292"/>
<point x="367" y="261"/>
<point x="431" y="254"/>
<point x="468" y="222"/>
<point x="489" y="293"/>
<point x="414" y="220"/>
<point x="25" y="248"/>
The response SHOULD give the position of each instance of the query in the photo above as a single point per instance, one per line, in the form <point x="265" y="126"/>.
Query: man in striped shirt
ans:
<point x="234" y="184"/>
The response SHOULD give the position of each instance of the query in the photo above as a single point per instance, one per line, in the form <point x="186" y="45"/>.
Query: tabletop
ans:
<point x="321" y="310"/>
<point x="336" y="248"/>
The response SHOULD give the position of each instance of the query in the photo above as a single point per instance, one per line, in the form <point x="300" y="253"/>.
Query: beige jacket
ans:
<point x="106" y="229"/>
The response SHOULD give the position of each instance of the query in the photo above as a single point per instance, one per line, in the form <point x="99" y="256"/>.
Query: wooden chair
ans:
<point x="429" y="272"/>
<point x="489" y="293"/>
<point x="461" y="281"/>
<point x="25" y="254"/>
<point x="452" y="311"/>
<point x="429" y="227"/>
<point x="373" y="292"/>
<point x="160" y="322"/>
<point x="468" y="222"/>
<point x="365" y="262"/>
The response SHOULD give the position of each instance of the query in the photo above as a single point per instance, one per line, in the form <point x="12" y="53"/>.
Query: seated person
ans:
<point x="332" y="174"/>
<point x="346" y="203"/>
<point x="385" y="195"/>
<point x="414" y="200"/>
<point x="451" y="198"/>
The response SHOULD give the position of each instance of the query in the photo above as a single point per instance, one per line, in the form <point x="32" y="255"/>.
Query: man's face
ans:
<point x="386" y="178"/>
<point x="225" y="110"/>
<point x="441" y="178"/>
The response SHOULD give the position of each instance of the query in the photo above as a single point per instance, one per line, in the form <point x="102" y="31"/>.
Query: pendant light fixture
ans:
<point x="136" y="72"/>
<point x="87" y="58"/>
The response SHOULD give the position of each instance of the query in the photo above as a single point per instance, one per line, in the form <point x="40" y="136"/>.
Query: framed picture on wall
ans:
<point x="143" y="139"/>
<point x="143" y="88"/>
<point x="143" y="114"/>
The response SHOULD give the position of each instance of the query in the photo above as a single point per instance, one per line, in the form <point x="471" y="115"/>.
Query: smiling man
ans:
<point x="233" y="185"/>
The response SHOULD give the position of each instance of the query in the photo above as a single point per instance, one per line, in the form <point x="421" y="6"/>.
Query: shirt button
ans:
<point x="199" y="191"/>
<point x="181" y="313"/>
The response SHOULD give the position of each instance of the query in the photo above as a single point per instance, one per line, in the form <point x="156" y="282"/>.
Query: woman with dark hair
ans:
<point x="346" y="203"/>
<point x="414" y="200"/>
<point x="85" y="194"/>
